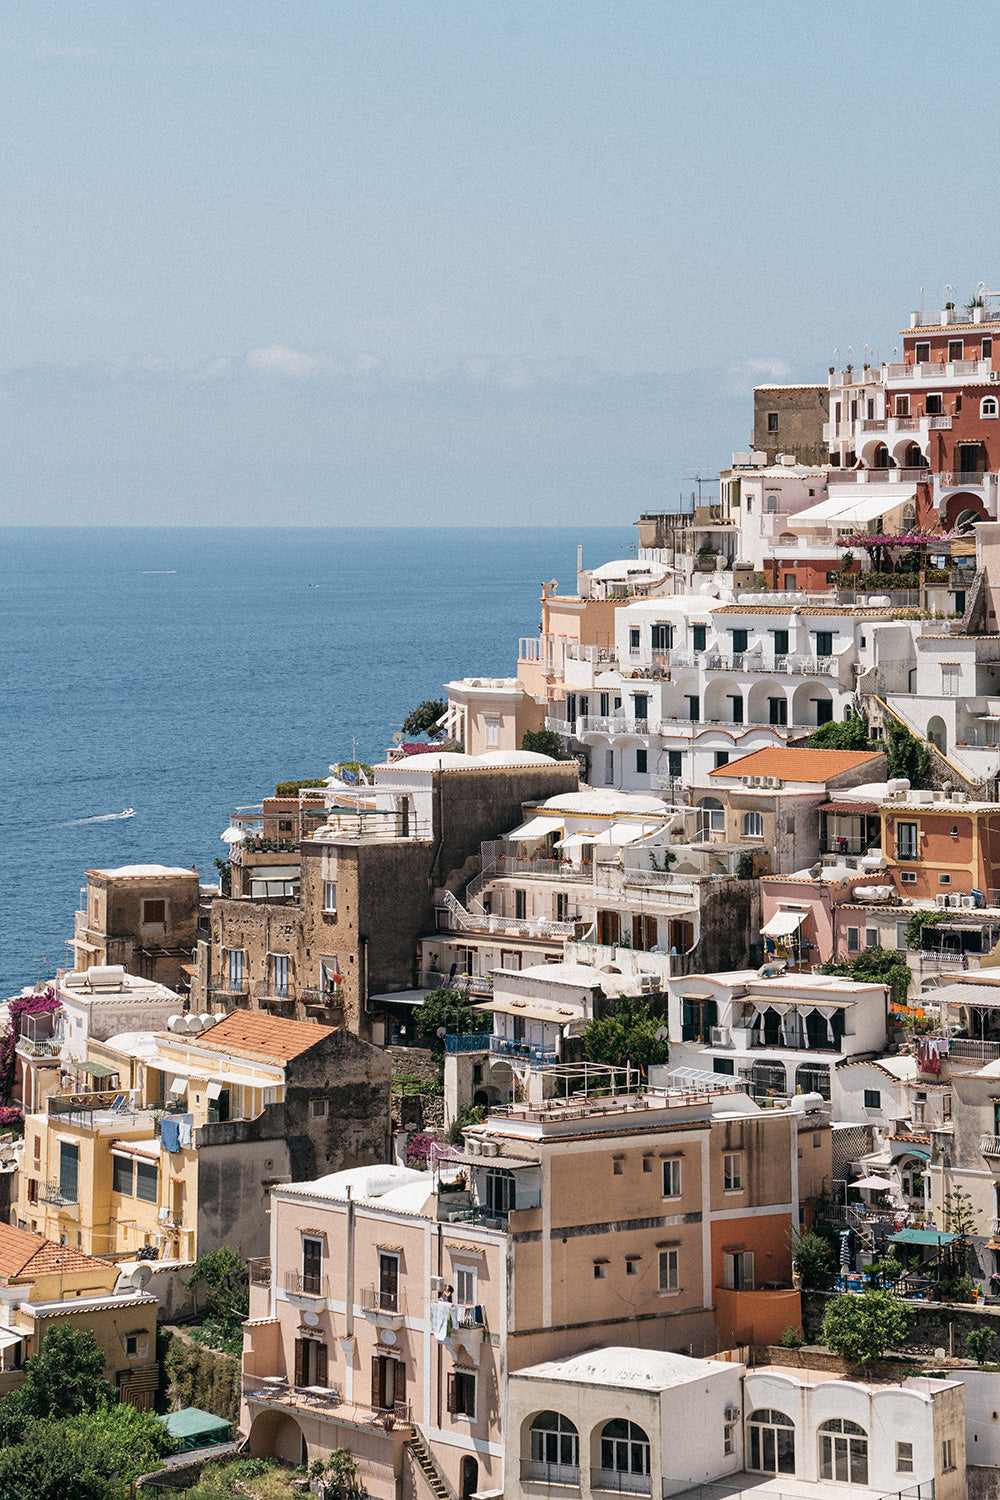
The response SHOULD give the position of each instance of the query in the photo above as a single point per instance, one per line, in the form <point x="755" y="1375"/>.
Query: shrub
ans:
<point x="792" y="1338"/>
<point x="814" y="1261"/>
<point x="862" y="1328"/>
<point x="979" y="1342"/>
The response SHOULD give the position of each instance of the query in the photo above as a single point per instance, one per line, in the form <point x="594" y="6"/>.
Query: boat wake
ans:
<point x="128" y="812"/>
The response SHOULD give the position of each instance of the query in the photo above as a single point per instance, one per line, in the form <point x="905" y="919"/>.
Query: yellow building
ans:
<point x="45" y="1285"/>
<point x="180" y="1156"/>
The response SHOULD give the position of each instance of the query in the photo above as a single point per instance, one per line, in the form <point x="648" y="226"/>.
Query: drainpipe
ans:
<point x="349" y="1289"/>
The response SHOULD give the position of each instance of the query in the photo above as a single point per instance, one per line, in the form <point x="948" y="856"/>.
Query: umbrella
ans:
<point x="873" y="1184"/>
<point x="233" y="835"/>
<point x="845" y="1254"/>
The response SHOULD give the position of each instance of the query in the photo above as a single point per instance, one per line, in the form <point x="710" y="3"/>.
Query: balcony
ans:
<point x="468" y="1041"/>
<point x="308" y="1284"/>
<point x="53" y="1192"/>
<point x="907" y="854"/>
<point x="223" y="985"/>
<point x="460" y="984"/>
<point x="385" y="1307"/>
<point x="968" y="1049"/>
<point x="321" y="1401"/>
<point x="50" y="1048"/>
<point x="759" y="661"/>
<point x="501" y="1046"/>
<point x="260" y="1271"/>
<point x="989" y="1145"/>
<point x="877" y="476"/>
<point x="542" y="1473"/>
<point x="619" y="1481"/>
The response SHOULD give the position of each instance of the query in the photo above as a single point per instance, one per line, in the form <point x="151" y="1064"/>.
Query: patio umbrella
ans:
<point x="845" y="1254"/>
<point x="233" y="835"/>
<point x="873" y="1184"/>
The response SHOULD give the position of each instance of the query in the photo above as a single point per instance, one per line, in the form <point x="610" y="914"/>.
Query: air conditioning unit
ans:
<point x="773" y="780"/>
<point x="490" y="1148"/>
<point x="941" y="901"/>
<point x="732" y="1413"/>
<point x="720" y="1036"/>
<point x="995" y="374"/>
<point x="437" y="1285"/>
<point x="747" y="780"/>
<point x="955" y="901"/>
<point x="968" y="903"/>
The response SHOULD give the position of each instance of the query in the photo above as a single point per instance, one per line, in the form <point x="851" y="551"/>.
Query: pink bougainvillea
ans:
<point x="24" y="1005"/>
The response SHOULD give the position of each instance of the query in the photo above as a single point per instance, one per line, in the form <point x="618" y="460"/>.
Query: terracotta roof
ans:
<point x="793" y="764"/>
<point x="24" y="1256"/>
<point x="248" y="1033"/>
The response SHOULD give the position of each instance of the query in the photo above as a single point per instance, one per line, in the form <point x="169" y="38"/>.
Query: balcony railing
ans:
<point x="542" y="1473"/>
<point x="307" y="1284"/>
<point x="468" y="1041"/>
<point x="461" y="984"/>
<point x="260" y="1271"/>
<point x="621" y="1482"/>
<point x="970" y="1049"/>
<point x="955" y="479"/>
<point x="376" y="1299"/>
<point x="224" y="985"/>
<point x="989" y="1145"/>
<point x="757" y="661"/>
<point x="907" y="854"/>
<point x="53" y="1192"/>
<point x="51" y="1047"/>
<point x="502" y="1046"/>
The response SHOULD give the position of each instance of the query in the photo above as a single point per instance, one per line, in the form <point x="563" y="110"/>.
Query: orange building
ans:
<point x="939" y="845"/>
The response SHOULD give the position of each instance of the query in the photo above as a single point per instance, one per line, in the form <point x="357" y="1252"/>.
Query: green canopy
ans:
<point x="921" y="1237"/>
<point x="96" y="1070"/>
<point x="193" y="1428"/>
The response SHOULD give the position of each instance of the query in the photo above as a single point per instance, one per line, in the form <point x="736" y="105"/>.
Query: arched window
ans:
<point x="771" y="1442"/>
<point x="812" y="1078"/>
<point x="711" y="817"/>
<point x="988" y="406"/>
<point x="913" y="458"/>
<point x="909" y="516"/>
<point x="555" y="1449"/>
<point x="767" y="1079"/>
<point x="880" y="458"/>
<point x="843" y="1451"/>
<point x="625" y="1450"/>
<point x="753" y="825"/>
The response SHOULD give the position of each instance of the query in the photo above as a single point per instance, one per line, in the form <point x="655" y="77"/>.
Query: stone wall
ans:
<point x="934" y="1325"/>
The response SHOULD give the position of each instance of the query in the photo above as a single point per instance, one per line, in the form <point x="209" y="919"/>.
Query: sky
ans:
<point x="392" y="262"/>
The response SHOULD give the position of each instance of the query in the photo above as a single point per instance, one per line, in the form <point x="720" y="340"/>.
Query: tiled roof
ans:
<point x="24" y="1256"/>
<point x="248" y="1033"/>
<point x="791" y="763"/>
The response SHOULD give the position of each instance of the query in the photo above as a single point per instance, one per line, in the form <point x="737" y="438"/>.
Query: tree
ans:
<point x="424" y="719"/>
<point x="875" y="966"/>
<point x="907" y="757"/>
<point x="544" y="742"/>
<point x="979" y="1342"/>
<point x="959" y="1214"/>
<point x="65" y="1377"/>
<point x="847" y="734"/>
<point x="861" y="1328"/>
<point x="91" y="1456"/>
<point x="446" y="1010"/>
<point x="626" y="1034"/>
<point x="813" y="1259"/>
<point x="226" y="1279"/>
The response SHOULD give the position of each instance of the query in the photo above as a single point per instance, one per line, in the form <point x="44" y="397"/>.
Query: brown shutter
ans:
<point x="321" y="1364"/>
<point x="376" y="1383"/>
<point x="452" y="1393"/>
<point x="300" y="1360"/>
<point x="400" y="1381"/>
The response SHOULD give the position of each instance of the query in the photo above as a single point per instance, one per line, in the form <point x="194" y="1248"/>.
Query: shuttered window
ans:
<point x="462" y="1393"/>
<point x="146" y="1174"/>
<point x="69" y="1172"/>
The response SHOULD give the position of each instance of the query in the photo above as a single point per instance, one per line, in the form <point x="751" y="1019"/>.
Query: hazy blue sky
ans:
<point x="341" y="261"/>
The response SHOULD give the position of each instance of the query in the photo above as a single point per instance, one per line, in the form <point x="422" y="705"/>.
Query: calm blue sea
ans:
<point x="183" y="672"/>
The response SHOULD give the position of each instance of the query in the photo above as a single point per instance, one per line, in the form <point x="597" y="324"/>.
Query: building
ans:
<point x="408" y="1297"/>
<point x="46" y="1284"/>
<point x="789" y="420"/>
<point x="940" y="845"/>
<point x="180" y="1152"/>
<point x="783" y="1035"/>
<point x="143" y="918"/>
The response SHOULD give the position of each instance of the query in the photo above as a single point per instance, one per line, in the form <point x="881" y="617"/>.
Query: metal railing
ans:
<point x="989" y="1145"/>
<point x="375" y="1299"/>
<point x="965" y="479"/>
<point x="502" y="1046"/>
<point x="307" y="1284"/>
<point x="223" y="985"/>
<point x="621" y="1482"/>
<point x="467" y="1041"/>
<point x="260" y="1271"/>
<point x="756" y="661"/>
<point x="907" y="853"/>
<point x="969" y="1049"/>
<point x="543" y="1473"/>
<point x="51" y="1047"/>
<point x="461" y="984"/>
<point x="52" y="1192"/>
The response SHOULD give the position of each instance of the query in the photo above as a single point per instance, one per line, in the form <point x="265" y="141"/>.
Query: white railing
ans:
<point x="526" y="927"/>
<point x="938" y="424"/>
<point x="956" y="479"/>
<point x="596" y="654"/>
<point x="757" y="661"/>
<point x="611" y="724"/>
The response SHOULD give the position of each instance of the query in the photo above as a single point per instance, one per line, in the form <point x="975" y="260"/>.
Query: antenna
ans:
<point x="699" y="478"/>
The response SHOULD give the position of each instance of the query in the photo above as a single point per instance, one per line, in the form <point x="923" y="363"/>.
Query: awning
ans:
<point x="214" y="1090"/>
<point x="900" y="1149"/>
<point x="873" y="1184"/>
<point x="555" y="1013"/>
<point x="179" y="1086"/>
<point x="8" y="1339"/>
<point x="620" y="834"/>
<point x="848" y="509"/>
<point x="576" y="840"/>
<point x="783" y="924"/>
<point x="234" y="835"/>
<point x="849" y="809"/>
<point x="96" y="1069"/>
<point x="699" y="1078"/>
<point x="536" y="829"/>
<point x="921" y="1237"/>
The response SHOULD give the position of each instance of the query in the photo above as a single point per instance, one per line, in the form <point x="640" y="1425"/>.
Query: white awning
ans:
<point x="627" y="833"/>
<point x="179" y="1086"/>
<point x="575" y="840"/>
<point x="536" y="829"/>
<point x="845" y="510"/>
<point x="214" y="1090"/>
<point x="783" y="924"/>
<point x="8" y="1339"/>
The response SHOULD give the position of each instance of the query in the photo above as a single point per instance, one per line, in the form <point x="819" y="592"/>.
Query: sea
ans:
<point x="183" y="672"/>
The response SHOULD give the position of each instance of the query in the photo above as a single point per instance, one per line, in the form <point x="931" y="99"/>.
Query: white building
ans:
<point x="101" y="1002"/>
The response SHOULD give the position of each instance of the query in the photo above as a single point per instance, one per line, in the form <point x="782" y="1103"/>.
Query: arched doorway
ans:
<point x="937" y="733"/>
<point x="470" y="1477"/>
<point x="276" y="1434"/>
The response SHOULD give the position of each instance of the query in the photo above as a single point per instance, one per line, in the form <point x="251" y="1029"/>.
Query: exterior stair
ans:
<point x="439" y="1486"/>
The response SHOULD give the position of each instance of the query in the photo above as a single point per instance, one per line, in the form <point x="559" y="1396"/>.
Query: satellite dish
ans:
<point x="397" y="738"/>
<point x="142" y="1275"/>
<point x="442" y="1032"/>
<point x="662" y="1034"/>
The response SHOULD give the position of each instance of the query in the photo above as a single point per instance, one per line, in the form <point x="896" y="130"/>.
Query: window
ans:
<point x="771" y="505"/>
<point x="873" y="1099"/>
<point x="640" y="705"/>
<point x="780" y="642"/>
<point x="122" y="1172"/>
<point x="312" y="1265"/>
<point x="388" y="1281"/>
<point x="956" y="349"/>
<point x="600" y="1270"/>
<point x="732" y="1172"/>
<point x="772" y="421"/>
<point x="618" y="1166"/>
<point x="609" y="767"/>
<point x="901" y="934"/>
<point x="465" y="1285"/>
<point x="669" y="1277"/>
<point x="736" y="703"/>
<point x="906" y="841"/>
<point x="988" y="406"/>
<point x="944" y="880"/>
<point x="753" y="825"/>
<point x="771" y="1442"/>
<point x="555" y="1445"/>
<point x="146" y="1181"/>
<point x="843" y="1451"/>
<point x="624" y="1450"/>
<point x="641" y="760"/>
<point x="777" y="710"/>
<point x="871" y="937"/>
<point x="948" y="1454"/>
<point x="329" y="895"/>
<point x="663" y="637"/>
<point x="740" y="639"/>
<point x="711" y="817"/>
<point x="491" y="723"/>
<point x="692" y="704"/>
<point x="904" y="1458"/>
<point x="737" y="1270"/>
<point x="69" y="1172"/>
<point x="388" y="1382"/>
<point x="946" y="1106"/>
<point x="729" y="1437"/>
<point x="902" y="406"/>
<point x="520" y="905"/>
<point x="647" y="1164"/>
<point x="935" y="404"/>
<point x="634" y="644"/>
<point x="562" y="906"/>
<point x="672" y="1178"/>
<point x="987" y="348"/>
<point x="909" y="877"/>
<point x="154" y="911"/>
<point x="137" y="1345"/>
<point x="824" y="643"/>
<point x="319" y="1108"/>
<point x="950" y="679"/>
<point x="236" y="968"/>
<point x="675" y="763"/>
<point x="721" y="759"/>
<point x="854" y="940"/>
<point x="279" y="975"/>
<point x="698" y="636"/>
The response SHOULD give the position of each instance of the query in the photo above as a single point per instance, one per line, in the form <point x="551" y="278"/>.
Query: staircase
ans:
<point x="439" y="1486"/>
